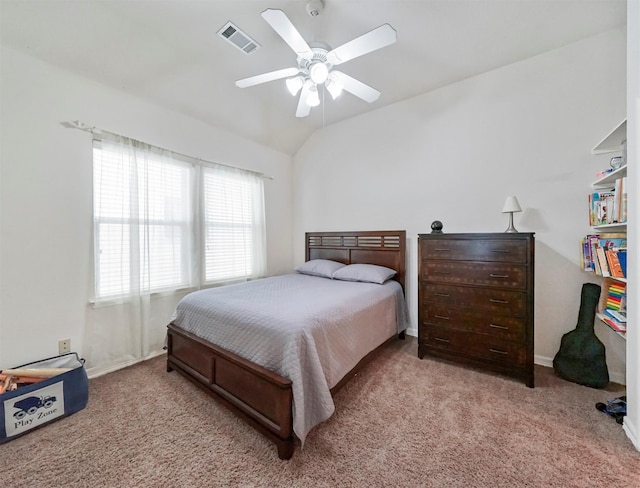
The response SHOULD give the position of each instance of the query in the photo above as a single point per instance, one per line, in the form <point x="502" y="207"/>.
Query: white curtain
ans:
<point x="142" y="221"/>
<point x="164" y="225"/>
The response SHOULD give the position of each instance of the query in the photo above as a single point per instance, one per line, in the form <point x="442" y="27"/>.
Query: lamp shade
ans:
<point x="333" y="87"/>
<point x="313" y="100"/>
<point x="511" y="205"/>
<point x="294" y="84"/>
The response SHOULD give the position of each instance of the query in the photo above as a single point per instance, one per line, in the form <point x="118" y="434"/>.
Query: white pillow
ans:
<point x="370" y="273"/>
<point x="319" y="267"/>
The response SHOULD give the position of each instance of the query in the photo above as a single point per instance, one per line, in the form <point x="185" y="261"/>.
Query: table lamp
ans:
<point x="511" y="205"/>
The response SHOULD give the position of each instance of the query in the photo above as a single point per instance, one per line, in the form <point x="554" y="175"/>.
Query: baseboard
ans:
<point x="632" y="433"/>
<point x="102" y="370"/>
<point x="615" y="376"/>
<point x="543" y="361"/>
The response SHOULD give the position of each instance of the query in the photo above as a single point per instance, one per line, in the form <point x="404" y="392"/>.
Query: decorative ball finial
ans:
<point x="436" y="227"/>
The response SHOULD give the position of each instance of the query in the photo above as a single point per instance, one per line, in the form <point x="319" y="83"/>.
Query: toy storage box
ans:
<point x="37" y="404"/>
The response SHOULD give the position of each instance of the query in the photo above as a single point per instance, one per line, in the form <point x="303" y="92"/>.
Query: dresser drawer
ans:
<point x="472" y="273"/>
<point x="501" y="302"/>
<point x="476" y="345"/>
<point x="494" y="250"/>
<point x="468" y="319"/>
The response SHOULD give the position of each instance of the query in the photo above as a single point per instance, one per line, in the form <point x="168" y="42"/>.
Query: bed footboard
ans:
<point x="259" y="396"/>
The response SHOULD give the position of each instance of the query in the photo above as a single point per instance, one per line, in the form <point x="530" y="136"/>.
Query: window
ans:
<point x="231" y="224"/>
<point x="146" y="235"/>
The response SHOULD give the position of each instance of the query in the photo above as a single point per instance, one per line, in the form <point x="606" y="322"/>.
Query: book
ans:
<point x="612" y="235"/>
<point x="616" y="288"/>
<point x="613" y="324"/>
<point x="617" y="211"/>
<point x="614" y="263"/>
<point x="614" y="303"/>
<point x="616" y="297"/>
<point x="614" y="314"/>
<point x="585" y="255"/>
<point x="598" y="207"/>
<point x="602" y="261"/>
<point x="622" y="257"/>
<point x="593" y="245"/>
<point x="593" y="253"/>
<point x="608" y="206"/>
<point x="623" y="210"/>
<point x="612" y="242"/>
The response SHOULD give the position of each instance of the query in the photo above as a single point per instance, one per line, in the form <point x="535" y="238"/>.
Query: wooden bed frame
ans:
<point x="259" y="396"/>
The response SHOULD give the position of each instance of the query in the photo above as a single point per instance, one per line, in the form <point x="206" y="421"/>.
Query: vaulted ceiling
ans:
<point x="168" y="51"/>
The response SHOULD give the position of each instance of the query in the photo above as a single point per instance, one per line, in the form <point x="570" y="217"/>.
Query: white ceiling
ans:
<point x="167" y="51"/>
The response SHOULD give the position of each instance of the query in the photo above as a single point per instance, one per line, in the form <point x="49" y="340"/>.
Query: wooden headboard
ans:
<point x="384" y="248"/>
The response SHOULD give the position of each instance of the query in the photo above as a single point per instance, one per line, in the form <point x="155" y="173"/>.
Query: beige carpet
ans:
<point x="402" y="422"/>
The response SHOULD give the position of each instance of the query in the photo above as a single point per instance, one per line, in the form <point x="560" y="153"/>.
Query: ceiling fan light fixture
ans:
<point x="316" y="61"/>
<point x="294" y="85"/>
<point x="313" y="100"/>
<point x="318" y="72"/>
<point x="334" y="88"/>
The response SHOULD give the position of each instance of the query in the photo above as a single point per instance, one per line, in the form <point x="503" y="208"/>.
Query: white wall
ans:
<point x="454" y="154"/>
<point x="46" y="198"/>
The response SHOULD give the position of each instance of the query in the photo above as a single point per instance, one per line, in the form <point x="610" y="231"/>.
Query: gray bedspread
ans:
<point x="311" y="330"/>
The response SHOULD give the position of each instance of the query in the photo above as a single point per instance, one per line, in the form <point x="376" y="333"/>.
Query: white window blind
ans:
<point x="231" y="224"/>
<point x="146" y="237"/>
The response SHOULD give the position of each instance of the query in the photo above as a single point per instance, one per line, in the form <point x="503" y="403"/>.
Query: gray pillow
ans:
<point x="370" y="273"/>
<point x="319" y="267"/>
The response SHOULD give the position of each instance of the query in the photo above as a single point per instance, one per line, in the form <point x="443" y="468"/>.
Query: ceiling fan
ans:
<point x="315" y="63"/>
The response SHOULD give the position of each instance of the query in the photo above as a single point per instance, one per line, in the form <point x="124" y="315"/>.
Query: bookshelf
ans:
<point x="605" y="224"/>
<point x="610" y="178"/>
<point x="611" y="143"/>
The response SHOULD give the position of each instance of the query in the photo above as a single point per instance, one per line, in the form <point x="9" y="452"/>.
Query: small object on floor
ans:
<point x="616" y="408"/>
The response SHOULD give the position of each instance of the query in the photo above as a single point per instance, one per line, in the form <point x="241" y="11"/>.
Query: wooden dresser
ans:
<point x="476" y="300"/>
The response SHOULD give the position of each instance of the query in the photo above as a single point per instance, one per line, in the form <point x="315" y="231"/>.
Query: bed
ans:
<point x="277" y="376"/>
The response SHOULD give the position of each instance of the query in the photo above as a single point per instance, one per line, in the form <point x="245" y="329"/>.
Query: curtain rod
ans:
<point x="76" y="124"/>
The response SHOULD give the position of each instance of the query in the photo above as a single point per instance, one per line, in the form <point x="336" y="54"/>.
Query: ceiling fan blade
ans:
<point x="264" y="77"/>
<point x="280" y="23"/>
<point x="303" y="108"/>
<point x="376" y="39"/>
<point x="355" y="87"/>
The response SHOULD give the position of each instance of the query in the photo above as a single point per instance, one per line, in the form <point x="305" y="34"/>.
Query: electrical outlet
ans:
<point x="64" y="346"/>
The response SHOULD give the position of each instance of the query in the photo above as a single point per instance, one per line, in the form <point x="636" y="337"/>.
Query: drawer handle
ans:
<point x="496" y="326"/>
<point x="442" y="249"/>
<point x="497" y="351"/>
<point x="492" y="275"/>
<point x="442" y="272"/>
<point x="441" y="294"/>
<point x="442" y="317"/>
<point x="440" y="339"/>
<point x="502" y="251"/>
<point x="495" y="300"/>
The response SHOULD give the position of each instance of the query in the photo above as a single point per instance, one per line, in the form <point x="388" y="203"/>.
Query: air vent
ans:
<point x="239" y="39"/>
